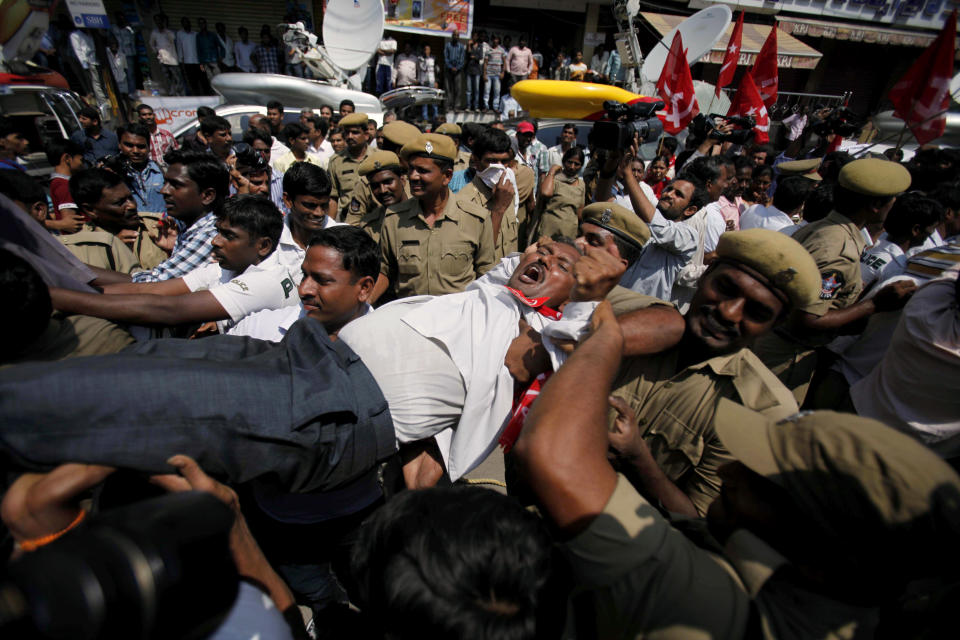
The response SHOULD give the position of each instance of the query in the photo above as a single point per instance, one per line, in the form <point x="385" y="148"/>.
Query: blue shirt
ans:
<point x="453" y="55"/>
<point x="96" y="148"/>
<point x="145" y="186"/>
<point x="461" y="179"/>
<point x="208" y="47"/>
<point x="6" y="163"/>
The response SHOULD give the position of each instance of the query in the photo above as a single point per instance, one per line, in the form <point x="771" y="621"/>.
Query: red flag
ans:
<point x="922" y="96"/>
<point x="731" y="57"/>
<point x="765" y="69"/>
<point x="676" y="88"/>
<point x="747" y="102"/>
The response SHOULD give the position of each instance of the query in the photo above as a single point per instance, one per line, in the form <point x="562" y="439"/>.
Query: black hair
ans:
<point x="243" y="30"/>
<point x="136" y="129"/>
<point x="849" y="202"/>
<point x="90" y="112"/>
<point x="27" y="305"/>
<point x="359" y="254"/>
<point x="19" y="186"/>
<point x="819" y="202"/>
<point x="275" y="104"/>
<point x="292" y="130"/>
<point x="671" y="145"/>
<point x="762" y="170"/>
<point x="459" y="562"/>
<point x="305" y="179"/>
<point x="568" y="126"/>
<point x="347" y="103"/>
<point x="60" y="147"/>
<point x="470" y="131"/>
<point x="700" y="197"/>
<point x="371" y="121"/>
<point x="205" y="112"/>
<point x="948" y="195"/>
<point x="628" y="251"/>
<point x="491" y="141"/>
<point x="575" y="150"/>
<point x="743" y="162"/>
<point x="704" y="169"/>
<point x="762" y="148"/>
<point x="205" y="169"/>
<point x="321" y="124"/>
<point x="211" y="124"/>
<point x="255" y="133"/>
<point x="255" y="214"/>
<point x="143" y="106"/>
<point x="86" y="187"/>
<point x="791" y="193"/>
<point x="912" y="209"/>
<point x="832" y="163"/>
<point x="7" y="126"/>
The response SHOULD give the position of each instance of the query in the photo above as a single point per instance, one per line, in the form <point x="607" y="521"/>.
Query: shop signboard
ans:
<point x="430" y="17"/>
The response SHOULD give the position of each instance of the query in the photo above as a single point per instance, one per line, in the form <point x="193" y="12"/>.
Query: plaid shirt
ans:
<point x="268" y="60"/>
<point x="161" y="141"/>
<point x="192" y="250"/>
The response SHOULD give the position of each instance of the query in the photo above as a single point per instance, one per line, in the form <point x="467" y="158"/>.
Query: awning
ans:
<point x="791" y="53"/>
<point x="855" y="32"/>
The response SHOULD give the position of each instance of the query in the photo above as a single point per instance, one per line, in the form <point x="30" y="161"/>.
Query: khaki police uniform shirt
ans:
<point x="675" y="411"/>
<point x="640" y="575"/>
<point x="345" y="178"/>
<point x="463" y="160"/>
<point x="560" y="210"/>
<point x="419" y="259"/>
<point x="148" y="254"/>
<point x="363" y="202"/>
<point x="506" y="241"/>
<point x="70" y="336"/>
<point x="98" y="248"/>
<point x="372" y="223"/>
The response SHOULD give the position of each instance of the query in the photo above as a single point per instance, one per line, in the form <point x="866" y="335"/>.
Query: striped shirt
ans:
<point x="192" y="250"/>
<point x="453" y="55"/>
<point x="162" y="141"/>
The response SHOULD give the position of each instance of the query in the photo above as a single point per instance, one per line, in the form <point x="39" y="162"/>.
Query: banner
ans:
<point x="175" y="111"/>
<point x="430" y="17"/>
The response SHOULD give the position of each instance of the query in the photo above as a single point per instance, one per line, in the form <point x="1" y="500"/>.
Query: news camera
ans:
<point x="841" y="121"/>
<point x="624" y="121"/>
<point x="706" y="126"/>
<point x="156" y="569"/>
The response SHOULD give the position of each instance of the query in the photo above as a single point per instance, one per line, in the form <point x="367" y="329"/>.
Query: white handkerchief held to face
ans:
<point x="491" y="177"/>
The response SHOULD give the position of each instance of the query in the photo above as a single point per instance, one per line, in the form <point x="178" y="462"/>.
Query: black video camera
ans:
<point x="157" y="569"/>
<point x="624" y="121"/>
<point x="704" y="126"/>
<point x="840" y="121"/>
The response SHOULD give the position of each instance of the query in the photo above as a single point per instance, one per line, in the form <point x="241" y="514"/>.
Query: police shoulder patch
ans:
<point x="354" y="205"/>
<point x="831" y="284"/>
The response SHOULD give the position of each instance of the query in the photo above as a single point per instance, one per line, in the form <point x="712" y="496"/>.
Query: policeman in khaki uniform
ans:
<point x="806" y="168"/>
<point x="674" y="394"/>
<point x="98" y="248"/>
<point x="490" y="147"/>
<point x="866" y="190"/>
<point x="823" y="518"/>
<point x="433" y="243"/>
<point x="348" y="192"/>
<point x="363" y="202"/>
<point x="455" y="132"/>
<point x="148" y="254"/>
<point x="383" y="171"/>
<point x="526" y="185"/>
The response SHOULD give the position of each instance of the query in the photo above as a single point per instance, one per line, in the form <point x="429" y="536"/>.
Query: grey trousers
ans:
<point x="305" y="413"/>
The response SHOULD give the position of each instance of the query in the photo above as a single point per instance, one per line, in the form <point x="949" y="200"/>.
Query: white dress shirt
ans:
<point x="165" y="44"/>
<point x="670" y="247"/>
<point x="760" y="216"/>
<point x="710" y="225"/>
<point x="914" y="387"/>
<point x="439" y="361"/>
<point x="876" y="258"/>
<point x="273" y="324"/>
<point x="242" y="51"/>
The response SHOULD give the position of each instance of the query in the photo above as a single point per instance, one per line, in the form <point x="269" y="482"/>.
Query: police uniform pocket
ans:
<point x="676" y="447"/>
<point x="408" y="260"/>
<point x="456" y="258"/>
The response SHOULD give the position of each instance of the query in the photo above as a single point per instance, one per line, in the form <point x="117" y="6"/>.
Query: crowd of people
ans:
<point x="725" y="376"/>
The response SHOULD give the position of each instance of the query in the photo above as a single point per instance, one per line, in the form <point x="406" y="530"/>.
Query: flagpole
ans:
<point x="900" y="138"/>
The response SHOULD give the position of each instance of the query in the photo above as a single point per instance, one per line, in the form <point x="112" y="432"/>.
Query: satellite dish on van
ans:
<point x="699" y="32"/>
<point x="352" y="30"/>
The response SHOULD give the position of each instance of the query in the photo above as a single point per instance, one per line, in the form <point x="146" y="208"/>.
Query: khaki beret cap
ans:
<point x="779" y="258"/>
<point x="354" y="120"/>
<point x="874" y="177"/>
<point x="450" y="129"/>
<point x="805" y="168"/>
<point x="618" y="220"/>
<point x="434" y="145"/>
<point x="379" y="160"/>
<point x="400" y="133"/>
<point x="855" y="480"/>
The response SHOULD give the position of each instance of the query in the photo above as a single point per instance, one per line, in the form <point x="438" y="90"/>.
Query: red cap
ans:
<point x="525" y="127"/>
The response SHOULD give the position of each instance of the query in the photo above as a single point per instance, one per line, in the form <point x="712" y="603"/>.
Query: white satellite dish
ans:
<point x="955" y="88"/>
<point x="710" y="102"/>
<point x="352" y="30"/>
<point x="699" y="32"/>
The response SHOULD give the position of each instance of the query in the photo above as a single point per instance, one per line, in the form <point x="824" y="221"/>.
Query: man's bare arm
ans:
<point x="651" y="330"/>
<point x="174" y="287"/>
<point x="562" y="451"/>
<point x="106" y="276"/>
<point x="199" y="306"/>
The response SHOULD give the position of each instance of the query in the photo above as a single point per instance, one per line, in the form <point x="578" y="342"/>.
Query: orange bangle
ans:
<point x="35" y="543"/>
